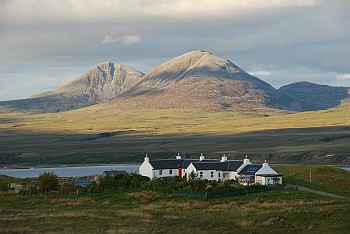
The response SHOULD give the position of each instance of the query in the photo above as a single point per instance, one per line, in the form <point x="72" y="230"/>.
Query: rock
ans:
<point x="272" y="221"/>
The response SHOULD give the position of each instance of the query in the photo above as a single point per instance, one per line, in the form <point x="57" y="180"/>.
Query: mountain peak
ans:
<point x="207" y="81"/>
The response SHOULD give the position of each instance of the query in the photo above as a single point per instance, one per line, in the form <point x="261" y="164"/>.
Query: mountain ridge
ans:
<point x="105" y="81"/>
<point x="316" y="96"/>
<point x="197" y="79"/>
<point x="207" y="78"/>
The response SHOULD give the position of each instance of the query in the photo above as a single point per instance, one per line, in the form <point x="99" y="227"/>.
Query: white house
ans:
<point x="267" y="176"/>
<point x="215" y="170"/>
<point x="242" y="170"/>
<point x="166" y="167"/>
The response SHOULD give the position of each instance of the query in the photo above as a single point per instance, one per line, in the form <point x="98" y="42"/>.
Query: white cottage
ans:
<point x="165" y="167"/>
<point x="215" y="170"/>
<point x="242" y="170"/>
<point x="267" y="176"/>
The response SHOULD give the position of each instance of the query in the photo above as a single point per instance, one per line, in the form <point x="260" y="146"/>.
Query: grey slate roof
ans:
<point x="270" y="175"/>
<point x="250" y="169"/>
<point x="174" y="163"/>
<point x="231" y="165"/>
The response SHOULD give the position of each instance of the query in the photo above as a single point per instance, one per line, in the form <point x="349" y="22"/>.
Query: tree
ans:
<point x="48" y="181"/>
<point x="126" y="181"/>
<point x="108" y="182"/>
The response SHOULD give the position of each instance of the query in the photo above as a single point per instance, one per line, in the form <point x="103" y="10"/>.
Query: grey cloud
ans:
<point x="285" y="41"/>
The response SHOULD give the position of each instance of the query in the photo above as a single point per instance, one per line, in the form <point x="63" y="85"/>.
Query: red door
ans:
<point x="180" y="173"/>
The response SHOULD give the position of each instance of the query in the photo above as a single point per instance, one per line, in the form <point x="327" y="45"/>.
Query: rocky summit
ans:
<point x="103" y="82"/>
<point x="194" y="80"/>
<point x="199" y="79"/>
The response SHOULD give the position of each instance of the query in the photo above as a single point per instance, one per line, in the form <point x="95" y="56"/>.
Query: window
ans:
<point x="201" y="174"/>
<point x="212" y="174"/>
<point x="170" y="172"/>
<point x="219" y="174"/>
<point x="160" y="172"/>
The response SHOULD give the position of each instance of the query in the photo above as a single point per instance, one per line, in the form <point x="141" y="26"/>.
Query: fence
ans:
<point x="228" y="193"/>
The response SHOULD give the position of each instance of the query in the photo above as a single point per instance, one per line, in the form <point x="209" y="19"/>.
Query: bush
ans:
<point x="48" y="181"/>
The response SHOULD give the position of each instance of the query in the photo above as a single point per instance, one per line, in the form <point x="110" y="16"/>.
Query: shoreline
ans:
<point x="13" y="166"/>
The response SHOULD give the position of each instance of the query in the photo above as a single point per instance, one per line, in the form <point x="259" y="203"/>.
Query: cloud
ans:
<point x="131" y="39"/>
<point x="343" y="77"/>
<point x="126" y="40"/>
<point x="273" y="39"/>
<point x="260" y="73"/>
<point x="24" y="12"/>
<point x="109" y="39"/>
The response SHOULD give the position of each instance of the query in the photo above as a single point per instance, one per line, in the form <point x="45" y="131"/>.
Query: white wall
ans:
<point x="233" y="175"/>
<point x="146" y="169"/>
<point x="209" y="175"/>
<point x="166" y="173"/>
<point x="190" y="168"/>
<point x="268" y="180"/>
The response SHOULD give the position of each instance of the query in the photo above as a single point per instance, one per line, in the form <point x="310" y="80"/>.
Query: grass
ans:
<point x="132" y="211"/>
<point x="118" y="212"/>
<point x="262" y="133"/>
<point x="323" y="178"/>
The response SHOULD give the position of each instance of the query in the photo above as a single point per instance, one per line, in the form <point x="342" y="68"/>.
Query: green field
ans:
<point x="138" y="211"/>
<point x="323" y="178"/>
<point x="145" y="212"/>
<point x="104" y="134"/>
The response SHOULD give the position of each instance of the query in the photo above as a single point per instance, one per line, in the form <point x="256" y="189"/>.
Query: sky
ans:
<point x="46" y="43"/>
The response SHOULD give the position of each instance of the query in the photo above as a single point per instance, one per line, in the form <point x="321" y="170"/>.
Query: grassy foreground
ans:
<point x="130" y="211"/>
<point x="147" y="212"/>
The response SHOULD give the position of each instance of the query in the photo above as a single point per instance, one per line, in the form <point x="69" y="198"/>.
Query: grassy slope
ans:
<point x="261" y="132"/>
<point x="323" y="178"/>
<point x="115" y="213"/>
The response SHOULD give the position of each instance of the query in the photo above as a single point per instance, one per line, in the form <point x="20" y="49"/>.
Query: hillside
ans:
<point x="105" y="81"/>
<point x="197" y="102"/>
<point x="201" y="80"/>
<point x="314" y="96"/>
<point x="195" y="80"/>
<point x="100" y="134"/>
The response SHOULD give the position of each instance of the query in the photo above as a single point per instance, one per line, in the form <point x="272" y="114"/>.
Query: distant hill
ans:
<point x="314" y="96"/>
<point x="199" y="79"/>
<point x="194" y="80"/>
<point x="105" y="81"/>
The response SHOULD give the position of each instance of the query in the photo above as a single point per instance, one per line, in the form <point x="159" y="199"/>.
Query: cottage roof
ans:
<point x="173" y="163"/>
<point x="231" y="165"/>
<point x="270" y="175"/>
<point x="250" y="169"/>
<point x="113" y="173"/>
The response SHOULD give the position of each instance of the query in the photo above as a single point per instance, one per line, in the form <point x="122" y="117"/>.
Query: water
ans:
<point x="68" y="171"/>
<point x="343" y="167"/>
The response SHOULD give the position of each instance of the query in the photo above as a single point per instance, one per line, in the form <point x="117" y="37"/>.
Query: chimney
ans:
<point x="201" y="158"/>
<point x="178" y="156"/>
<point x="246" y="160"/>
<point x="265" y="163"/>
<point x="146" y="158"/>
<point x="223" y="158"/>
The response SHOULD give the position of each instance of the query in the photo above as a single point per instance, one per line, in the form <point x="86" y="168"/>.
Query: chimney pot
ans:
<point x="224" y="158"/>
<point x="178" y="156"/>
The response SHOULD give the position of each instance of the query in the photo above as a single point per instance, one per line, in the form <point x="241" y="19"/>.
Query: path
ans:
<point x="305" y="189"/>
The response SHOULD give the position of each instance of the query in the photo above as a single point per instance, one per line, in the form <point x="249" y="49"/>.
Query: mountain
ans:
<point x="316" y="97"/>
<point x="195" y="80"/>
<point x="105" y="81"/>
<point x="199" y="79"/>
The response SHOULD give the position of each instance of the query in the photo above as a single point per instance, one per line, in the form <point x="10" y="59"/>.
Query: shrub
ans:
<point x="48" y="181"/>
